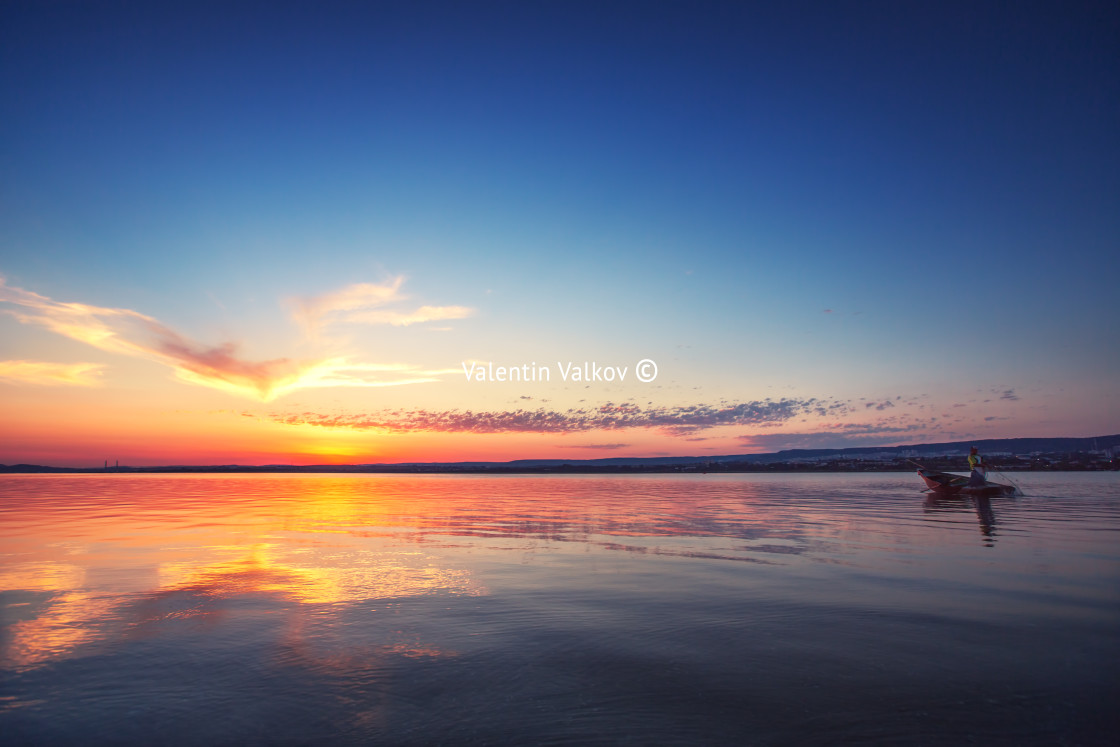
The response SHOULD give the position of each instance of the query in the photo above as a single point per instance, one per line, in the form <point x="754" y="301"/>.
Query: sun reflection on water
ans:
<point x="92" y="559"/>
<point x="393" y="609"/>
<point x="187" y="555"/>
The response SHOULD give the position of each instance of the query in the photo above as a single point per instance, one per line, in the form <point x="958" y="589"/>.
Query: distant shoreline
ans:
<point x="32" y="469"/>
<point x="1099" y="453"/>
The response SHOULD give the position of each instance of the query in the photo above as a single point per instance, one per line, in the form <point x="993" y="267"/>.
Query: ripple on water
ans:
<point x="663" y="609"/>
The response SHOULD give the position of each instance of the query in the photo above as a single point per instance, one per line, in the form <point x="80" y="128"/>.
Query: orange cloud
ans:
<point x="403" y="319"/>
<point x="220" y="367"/>
<point x="361" y="303"/>
<point x="39" y="372"/>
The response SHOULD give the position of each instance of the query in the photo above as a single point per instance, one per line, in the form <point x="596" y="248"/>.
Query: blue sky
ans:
<point x="810" y="198"/>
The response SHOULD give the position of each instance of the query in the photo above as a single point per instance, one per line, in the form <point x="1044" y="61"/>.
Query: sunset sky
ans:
<point x="276" y="232"/>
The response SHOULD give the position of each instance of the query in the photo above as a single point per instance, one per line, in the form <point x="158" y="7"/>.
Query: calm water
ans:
<point x="700" y="609"/>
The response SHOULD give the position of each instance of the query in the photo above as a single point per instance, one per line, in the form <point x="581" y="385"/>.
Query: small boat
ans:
<point x="947" y="483"/>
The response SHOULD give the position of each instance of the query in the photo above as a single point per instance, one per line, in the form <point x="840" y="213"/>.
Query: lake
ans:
<point x="469" y="609"/>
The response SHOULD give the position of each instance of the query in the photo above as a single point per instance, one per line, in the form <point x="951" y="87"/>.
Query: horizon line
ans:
<point x="820" y="451"/>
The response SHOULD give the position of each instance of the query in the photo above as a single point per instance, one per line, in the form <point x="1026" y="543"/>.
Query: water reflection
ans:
<point x="45" y="620"/>
<point x="980" y="505"/>
<point x="439" y="609"/>
<point x="144" y="557"/>
<point x="124" y="557"/>
<point x="55" y="626"/>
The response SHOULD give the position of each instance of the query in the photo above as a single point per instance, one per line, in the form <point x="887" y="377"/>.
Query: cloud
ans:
<point x="134" y="334"/>
<point x="1009" y="394"/>
<point x="403" y="319"/>
<point x="363" y="303"/>
<point x="38" y="372"/>
<point x="676" y="420"/>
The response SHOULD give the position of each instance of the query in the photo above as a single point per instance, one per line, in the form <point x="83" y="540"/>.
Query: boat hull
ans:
<point x="946" y="483"/>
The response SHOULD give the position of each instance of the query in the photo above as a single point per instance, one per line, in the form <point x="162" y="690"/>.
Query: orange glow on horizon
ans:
<point x="143" y="426"/>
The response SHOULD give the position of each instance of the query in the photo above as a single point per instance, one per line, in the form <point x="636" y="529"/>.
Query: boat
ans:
<point x="946" y="483"/>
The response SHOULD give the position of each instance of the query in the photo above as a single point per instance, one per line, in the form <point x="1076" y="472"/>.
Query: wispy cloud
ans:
<point x="39" y="372"/>
<point x="131" y="333"/>
<point x="366" y="303"/>
<point x="405" y="318"/>
<point x="1006" y="394"/>
<point x="609" y="416"/>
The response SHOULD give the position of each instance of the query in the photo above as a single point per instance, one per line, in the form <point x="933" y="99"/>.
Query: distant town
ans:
<point x="1015" y="454"/>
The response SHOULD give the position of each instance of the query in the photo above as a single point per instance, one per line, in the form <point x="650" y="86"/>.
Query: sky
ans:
<point x="311" y="233"/>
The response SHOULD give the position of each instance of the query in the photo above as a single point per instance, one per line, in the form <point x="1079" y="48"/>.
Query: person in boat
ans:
<point x="979" y="473"/>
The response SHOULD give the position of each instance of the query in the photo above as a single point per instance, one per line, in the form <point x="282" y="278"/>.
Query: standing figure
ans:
<point x="979" y="474"/>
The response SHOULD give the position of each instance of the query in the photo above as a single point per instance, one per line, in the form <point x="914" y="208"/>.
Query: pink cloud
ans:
<point x="609" y="416"/>
<point x="132" y="333"/>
